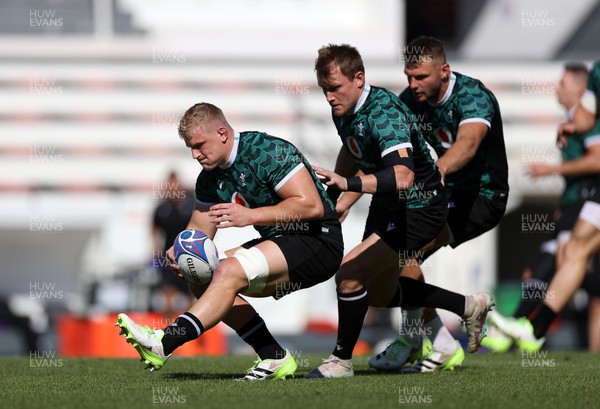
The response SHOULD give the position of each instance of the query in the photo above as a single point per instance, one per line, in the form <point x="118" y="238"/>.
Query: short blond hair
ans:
<point x="200" y="116"/>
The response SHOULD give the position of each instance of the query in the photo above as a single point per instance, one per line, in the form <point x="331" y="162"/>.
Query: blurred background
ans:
<point x="91" y="95"/>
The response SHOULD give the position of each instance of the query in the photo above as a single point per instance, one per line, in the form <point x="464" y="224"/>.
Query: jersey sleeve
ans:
<point x="594" y="79"/>
<point x="391" y="129"/>
<point x="204" y="194"/>
<point x="593" y="136"/>
<point x="279" y="162"/>
<point x="592" y="95"/>
<point x="475" y="104"/>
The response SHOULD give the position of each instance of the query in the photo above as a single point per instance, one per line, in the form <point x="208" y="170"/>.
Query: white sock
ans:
<point x="412" y="323"/>
<point x="439" y="335"/>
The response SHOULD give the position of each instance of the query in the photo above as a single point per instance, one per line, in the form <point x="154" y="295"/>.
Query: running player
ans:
<point x="249" y="179"/>
<point x="383" y="154"/>
<point x="464" y="127"/>
<point x="578" y="155"/>
<point x="529" y="334"/>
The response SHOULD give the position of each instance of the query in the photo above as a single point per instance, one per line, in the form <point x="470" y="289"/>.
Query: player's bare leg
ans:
<point x="219" y="301"/>
<point x="594" y="324"/>
<point x="529" y="334"/>
<point x="584" y="242"/>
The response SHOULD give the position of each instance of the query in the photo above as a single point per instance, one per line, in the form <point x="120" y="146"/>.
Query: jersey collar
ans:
<point x="448" y="92"/>
<point x="234" y="150"/>
<point x="363" y="98"/>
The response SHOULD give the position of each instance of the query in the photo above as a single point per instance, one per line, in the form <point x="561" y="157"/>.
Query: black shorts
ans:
<point x="568" y="217"/>
<point x="311" y="259"/>
<point x="470" y="215"/>
<point x="406" y="230"/>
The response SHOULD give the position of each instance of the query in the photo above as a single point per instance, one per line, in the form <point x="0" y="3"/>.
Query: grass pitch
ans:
<point x="557" y="380"/>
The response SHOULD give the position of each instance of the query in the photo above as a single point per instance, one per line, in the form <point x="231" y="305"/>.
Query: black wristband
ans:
<point x="354" y="184"/>
<point x="334" y="193"/>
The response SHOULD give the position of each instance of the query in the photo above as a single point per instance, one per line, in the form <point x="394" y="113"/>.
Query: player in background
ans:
<point x="383" y="154"/>
<point x="462" y="122"/>
<point x="170" y="217"/>
<point x="586" y="115"/>
<point x="249" y="179"/>
<point x="578" y="155"/>
<point x="529" y="333"/>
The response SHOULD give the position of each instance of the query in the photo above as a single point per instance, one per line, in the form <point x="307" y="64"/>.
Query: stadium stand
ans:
<point x="89" y="131"/>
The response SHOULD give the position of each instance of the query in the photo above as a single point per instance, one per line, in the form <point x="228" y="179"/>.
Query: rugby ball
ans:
<point x="197" y="256"/>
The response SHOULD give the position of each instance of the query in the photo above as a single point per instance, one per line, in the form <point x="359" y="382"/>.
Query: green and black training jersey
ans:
<point x="594" y="86"/>
<point x="583" y="187"/>
<point x="381" y="124"/>
<point x="259" y="165"/>
<point x="466" y="100"/>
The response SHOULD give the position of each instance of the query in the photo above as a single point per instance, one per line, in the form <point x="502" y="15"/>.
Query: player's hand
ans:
<point x="174" y="266"/>
<point x="330" y="178"/>
<point x="230" y="215"/>
<point x="537" y="170"/>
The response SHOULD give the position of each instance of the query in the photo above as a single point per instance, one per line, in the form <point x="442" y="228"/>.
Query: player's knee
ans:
<point x="255" y="268"/>
<point x="576" y="249"/>
<point x="348" y="285"/>
<point x="352" y="270"/>
<point x="230" y="275"/>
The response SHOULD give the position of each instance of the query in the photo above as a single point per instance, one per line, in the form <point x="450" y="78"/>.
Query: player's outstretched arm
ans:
<point x="344" y="166"/>
<point x="585" y="165"/>
<point x="397" y="176"/>
<point x="301" y="202"/>
<point x="583" y="121"/>
<point x="461" y="152"/>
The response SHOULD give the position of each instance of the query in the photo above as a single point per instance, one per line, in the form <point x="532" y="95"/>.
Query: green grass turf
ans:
<point x="558" y="380"/>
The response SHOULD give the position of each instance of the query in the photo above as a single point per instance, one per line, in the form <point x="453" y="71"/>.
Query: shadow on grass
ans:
<point x="367" y="372"/>
<point x="189" y="376"/>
